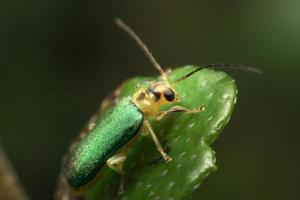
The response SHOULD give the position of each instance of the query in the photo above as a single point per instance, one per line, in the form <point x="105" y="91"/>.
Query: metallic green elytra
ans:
<point x="109" y="134"/>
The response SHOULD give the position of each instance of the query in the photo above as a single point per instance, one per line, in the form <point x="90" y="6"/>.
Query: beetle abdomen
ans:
<point x="110" y="133"/>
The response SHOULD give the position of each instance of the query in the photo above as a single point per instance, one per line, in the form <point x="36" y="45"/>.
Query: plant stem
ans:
<point x="10" y="187"/>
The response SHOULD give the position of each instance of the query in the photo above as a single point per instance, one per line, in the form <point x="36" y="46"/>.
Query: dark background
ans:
<point x="59" y="58"/>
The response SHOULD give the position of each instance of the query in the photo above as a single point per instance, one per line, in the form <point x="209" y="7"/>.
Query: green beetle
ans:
<point x="109" y="139"/>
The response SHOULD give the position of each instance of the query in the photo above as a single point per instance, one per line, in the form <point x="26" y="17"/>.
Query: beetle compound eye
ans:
<point x="169" y="95"/>
<point x="156" y="95"/>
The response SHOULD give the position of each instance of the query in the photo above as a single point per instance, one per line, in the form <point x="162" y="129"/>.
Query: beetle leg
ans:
<point x="144" y="131"/>
<point x="116" y="162"/>
<point x="156" y="141"/>
<point x="168" y="70"/>
<point x="162" y="114"/>
<point x="166" y="148"/>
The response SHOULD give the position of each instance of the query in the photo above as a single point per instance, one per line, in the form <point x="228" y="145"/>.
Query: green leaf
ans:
<point x="188" y="137"/>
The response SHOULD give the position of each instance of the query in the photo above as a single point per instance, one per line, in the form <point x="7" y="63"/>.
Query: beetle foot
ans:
<point x="167" y="158"/>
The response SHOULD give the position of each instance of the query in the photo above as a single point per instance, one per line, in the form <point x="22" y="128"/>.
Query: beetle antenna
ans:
<point x="142" y="45"/>
<point x="221" y="65"/>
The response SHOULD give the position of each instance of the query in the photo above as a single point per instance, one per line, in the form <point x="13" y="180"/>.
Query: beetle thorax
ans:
<point x="156" y="95"/>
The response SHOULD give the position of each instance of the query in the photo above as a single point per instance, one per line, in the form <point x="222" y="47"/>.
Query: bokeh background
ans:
<point x="59" y="58"/>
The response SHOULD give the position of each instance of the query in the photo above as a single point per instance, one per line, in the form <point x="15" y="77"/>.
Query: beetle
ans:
<point x="110" y="137"/>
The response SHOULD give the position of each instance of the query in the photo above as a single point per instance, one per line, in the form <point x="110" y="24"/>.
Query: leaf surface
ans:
<point x="187" y="138"/>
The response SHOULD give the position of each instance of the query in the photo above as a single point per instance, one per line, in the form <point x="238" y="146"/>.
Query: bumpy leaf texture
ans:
<point x="186" y="137"/>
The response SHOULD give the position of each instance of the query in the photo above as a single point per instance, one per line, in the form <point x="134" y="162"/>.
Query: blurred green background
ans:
<point x="59" y="58"/>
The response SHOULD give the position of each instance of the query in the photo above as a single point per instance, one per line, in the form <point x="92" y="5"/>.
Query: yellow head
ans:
<point x="150" y="99"/>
